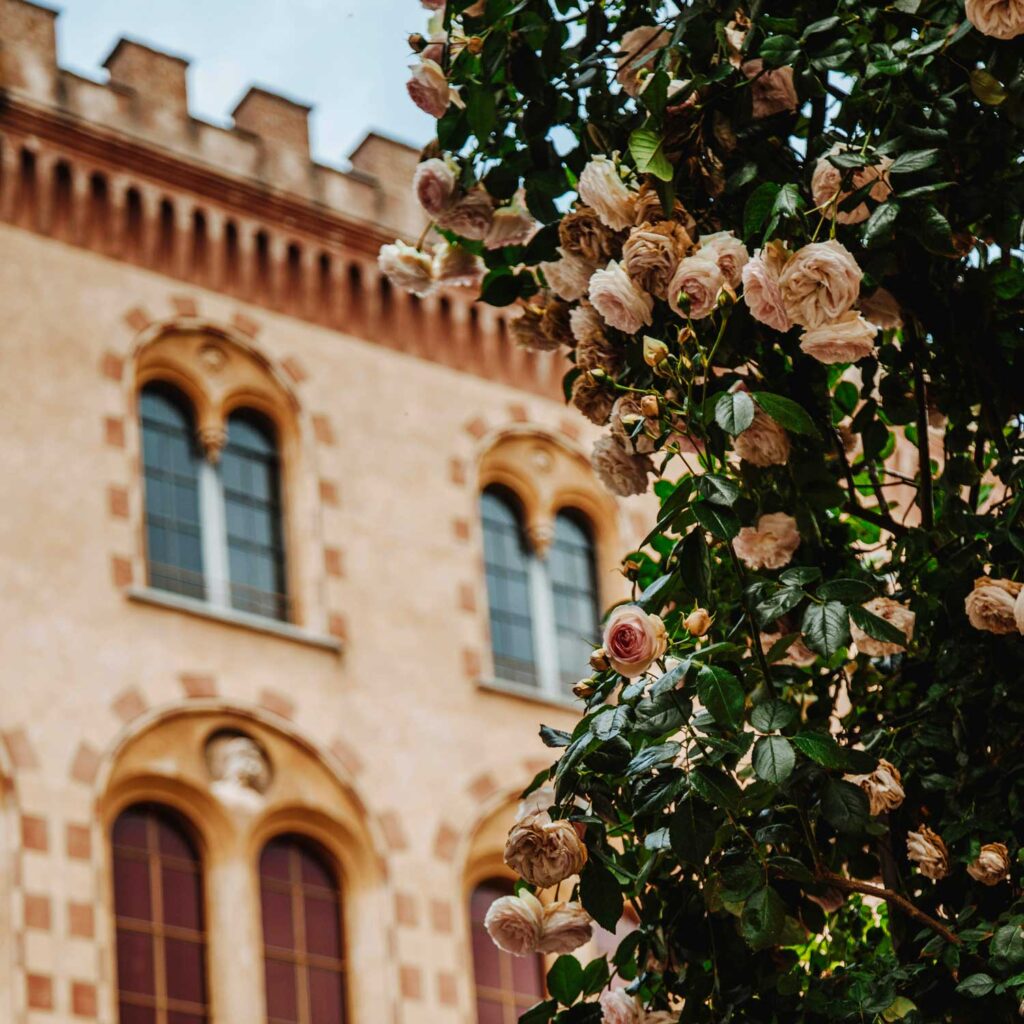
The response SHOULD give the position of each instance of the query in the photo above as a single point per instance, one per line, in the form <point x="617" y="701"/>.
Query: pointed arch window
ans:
<point x="159" y="917"/>
<point x="543" y="603"/>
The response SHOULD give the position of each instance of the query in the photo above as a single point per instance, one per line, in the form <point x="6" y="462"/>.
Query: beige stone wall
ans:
<point x="390" y="749"/>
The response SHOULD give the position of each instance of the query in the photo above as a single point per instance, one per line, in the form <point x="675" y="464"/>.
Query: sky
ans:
<point x="347" y="58"/>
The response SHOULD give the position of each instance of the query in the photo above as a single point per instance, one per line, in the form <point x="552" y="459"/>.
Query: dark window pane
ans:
<point x="323" y="928"/>
<point x="277" y="918"/>
<point x="135" y="962"/>
<point x="282" y="1001"/>
<point x="274" y="860"/>
<point x="185" y="973"/>
<point x="132" y="888"/>
<point x="324" y="996"/>
<point x="128" y="1013"/>
<point x="315" y="872"/>
<point x="489" y="1012"/>
<point x="130" y="830"/>
<point x="574" y="591"/>
<point x="185" y="1018"/>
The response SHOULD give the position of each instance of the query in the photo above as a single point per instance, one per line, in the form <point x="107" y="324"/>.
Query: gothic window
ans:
<point x="574" y="590"/>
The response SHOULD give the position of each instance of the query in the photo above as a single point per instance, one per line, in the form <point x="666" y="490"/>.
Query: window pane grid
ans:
<point x="574" y="586"/>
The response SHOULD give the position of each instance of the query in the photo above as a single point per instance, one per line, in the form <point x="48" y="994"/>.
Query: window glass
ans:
<point x="574" y="592"/>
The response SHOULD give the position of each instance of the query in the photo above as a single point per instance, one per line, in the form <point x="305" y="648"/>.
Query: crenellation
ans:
<point x="155" y="79"/>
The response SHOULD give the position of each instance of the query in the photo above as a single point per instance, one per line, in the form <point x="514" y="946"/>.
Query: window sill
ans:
<point x="530" y="693"/>
<point x="232" y="617"/>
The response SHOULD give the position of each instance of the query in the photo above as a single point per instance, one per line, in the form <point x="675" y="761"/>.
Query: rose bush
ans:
<point x="779" y="245"/>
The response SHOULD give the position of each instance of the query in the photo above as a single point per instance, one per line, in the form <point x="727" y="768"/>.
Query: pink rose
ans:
<point x="511" y="225"/>
<point x="700" y="279"/>
<point x="762" y="294"/>
<point x="407" y="268"/>
<point x="619" y="471"/>
<point x="618" y="1007"/>
<point x="769" y="545"/>
<point x="639" y="48"/>
<point x="846" y="340"/>
<point x="772" y="92"/>
<point x="602" y="189"/>
<point x="728" y="252"/>
<point x="470" y="215"/>
<point x="763" y="443"/>
<point x="826" y="187"/>
<point x="568" y="277"/>
<point x="565" y="927"/>
<point x="429" y="89"/>
<point x="820" y="283"/>
<point x="434" y="184"/>
<point x="514" y="923"/>
<point x="622" y="304"/>
<point x="1001" y="19"/>
<point x="457" y="266"/>
<point x="896" y="615"/>
<point x="633" y="640"/>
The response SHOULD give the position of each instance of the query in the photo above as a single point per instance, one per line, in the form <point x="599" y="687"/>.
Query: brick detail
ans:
<point x="483" y="787"/>
<point x="112" y="366"/>
<point x="19" y="749"/>
<point x="39" y="991"/>
<point x="137" y="319"/>
<point x="446" y="842"/>
<point x="322" y="429"/>
<point x="337" y="626"/>
<point x="294" y="368"/>
<point x="113" y="431"/>
<point x="121" y="571"/>
<point x="571" y="430"/>
<point x="471" y="664"/>
<point x="329" y="493"/>
<point x="277" y="703"/>
<point x="457" y="472"/>
<point x="518" y="413"/>
<point x="37" y="912"/>
<point x="128" y="705"/>
<point x="347" y="757"/>
<point x="198" y="684"/>
<point x="476" y="428"/>
<point x="410" y="982"/>
<point x="78" y="842"/>
<point x="394" y="833"/>
<point x="86" y="764"/>
<point x="83" y="999"/>
<point x="441" y="917"/>
<point x="245" y="324"/>
<point x="117" y="502"/>
<point x="405" y="910"/>
<point x="184" y="305"/>
<point x="81" y="920"/>
<point x="333" y="562"/>
<point x="460" y="527"/>
<point x="34" y="833"/>
<point x="467" y="597"/>
<point x="447" y="988"/>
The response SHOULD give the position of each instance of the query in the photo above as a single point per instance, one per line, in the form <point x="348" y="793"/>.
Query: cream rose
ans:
<point x="566" y="926"/>
<point x="896" y="615"/>
<point x="762" y="294"/>
<point x="820" y="283"/>
<point x="883" y="787"/>
<point x="457" y="266"/>
<point x="544" y="852"/>
<point x="926" y="849"/>
<point x="769" y="545"/>
<point x="1001" y="19"/>
<point x="845" y="340"/>
<point x="639" y="48"/>
<point x="470" y="215"/>
<point x="510" y="225"/>
<point x="771" y="92"/>
<point x="434" y="182"/>
<point x="728" y="252"/>
<point x="651" y="254"/>
<point x="617" y="298"/>
<point x="827" y="190"/>
<point x="697" y="282"/>
<point x="618" y="1007"/>
<point x="568" y="277"/>
<point x="602" y="189"/>
<point x="991" y="605"/>
<point x="633" y="640"/>
<point x="429" y="89"/>
<point x="621" y="473"/>
<point x="407" y="267"/>
<point x="514" y="923"/>
<point x="763" y="443"/>
<point x="992" y="865"/>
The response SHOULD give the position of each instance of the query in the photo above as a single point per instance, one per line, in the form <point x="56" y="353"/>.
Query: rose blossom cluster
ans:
<point x="522" y="925"/>
<point x="926" y="849"/>
<point x="996" y="606"/>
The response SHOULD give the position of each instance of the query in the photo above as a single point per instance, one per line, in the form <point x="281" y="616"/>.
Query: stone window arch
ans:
<point x="549" y="535"/>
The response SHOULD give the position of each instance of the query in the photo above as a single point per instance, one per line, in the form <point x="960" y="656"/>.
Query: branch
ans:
<point x="868" y="889"/>
<point x="924" y="495"/>
<point x="884" y="521"/>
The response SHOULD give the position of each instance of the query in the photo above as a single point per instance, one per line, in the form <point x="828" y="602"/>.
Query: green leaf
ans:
<point x="826" y="627"/>
<point x="772" y="715"/>
<point x="800" y="575"/>
<point x="847" y="590"/>
<point x="540" y="1013"/>
<point x="759" y="206"/>
<point x="820" y="26"/>
<point x="987" y="87"/>
<point x="786" y="413"/>
<point x="932" y="228"/>
<point x="820" y="748"/>
<point x="691" y="831"/>
<point x="719" y="789"/>
<point x="595" y="976"/>
<point x="554" y="737"/>
<point x="645" y="146"/>
<point x="900" y="1006"/>
<point x="782" y="601"/>
<point x="695" y="564"/>
<point x="481" y="111"/>
<point x="649" y="757"/>
<point x="916" y="160"/>
<point x="878" y="227"/>
<point x="763" y="918"/>
<point x="662" y="713"/>
<point x="600" y="895"/>
<point x="773" y="759"/>
<point x="976" y="986"/>
<point x="610" y="722"/>
<point x="1008" y="943"/>
<point x="877" y="627"/>
<point x="789" y="201"/>
<point x="721" y="693"/>
<point x="734" y="411"/>
<point x="719" y="490"/>
<point x="718" y="521"/>
<point x="844" y="806"/>
<point x="565" y="979"/>
<point x="779" y="50"/>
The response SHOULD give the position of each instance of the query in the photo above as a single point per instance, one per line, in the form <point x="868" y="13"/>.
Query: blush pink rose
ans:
<point x="618" y="1007"/>
<point x="602" y="189"/>
<point x="619" y="300"/>
<point x="429" y="89"/>
<point x="514" y="923"/>
<point x="633" y="640"/>
<point x="820" y="283"/>
<point x="434" y="182"/>
<point x="826" y="187"/>
<point x="763" y="443"/>
<point x="1001" y="19"/>
<point x="762" y="294"/>
<point x="769" y="545"/>
<point x="569" y="276"/>
<point x="882" y="309"/>
<point x="846" y="340"/>
<point x="728" y="252"/>
<point x="639" y="48"/>
<point x="407" y="267"/>
<point x="772" y="91"/>
<point x="471" y="215"/>
<point x="700" y="279"/>
<point x="511" y="225"/>
<point x="457" y="266"/>
<point x="565" y="927"/>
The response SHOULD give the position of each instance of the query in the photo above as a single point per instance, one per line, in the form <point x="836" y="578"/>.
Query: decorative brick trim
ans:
<point x="347" y="757"/>
<point x="322" y="430"/>
<point x="37" y="912"/>
<point x="35" y="833"/>
<point x="405" y="910"/>
<point x="446" y="842"/>
<point x="39" y="991"/>
<point x="86" y="765"/>
<point x="184" y="305"/>
<point x="410" y="982"/>
<point x="78" y="842"/>
<point x="457" y="472"/>
<point x="294" y="368"/>
<point x="112" y="366"/>
<point x="476" y="428"/>
<point x="471" y="664"/>
<point x="483" y="787"/>
<point x="441" y="917"/>
<point x="198" y="684"/>
<point x="19" y="749"/>
<point x="277" y="703"/>
<point x="394" y="833"/>
<point x="128" y="705"/>
<point x="460" y="527"/>
<point x="81" y="920"/>
<point x="337" y="626"/>
<point x="113" y="431"/>
<point x="333" y="562"/>
<point x="571" y="430"/>
<point x="447" y="988"/>
<point x="83" y="999"/>
<point x="329" y="493"/>
<point x="121" y="571"/>
<point x="245" y="324"/>
<point x="467" y="597"/>
<point x="117" y="502"/>
<point x="518" y="413"/>
<point x="137" y="319"/>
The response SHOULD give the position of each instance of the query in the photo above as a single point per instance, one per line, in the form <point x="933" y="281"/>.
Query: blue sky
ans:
<point x="348" y="58"/>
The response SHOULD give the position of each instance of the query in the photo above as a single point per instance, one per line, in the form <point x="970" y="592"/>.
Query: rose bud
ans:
<point x="584" y="688"/>
<point x="655" y="351"/>
<point x="417" y="42"/>
<point x="698" y="622"/>
<point x="474" y="44"/>
<point x="649" y="406"/>
<point x="599" y="660"/>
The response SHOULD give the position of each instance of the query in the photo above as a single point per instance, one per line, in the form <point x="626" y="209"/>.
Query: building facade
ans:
<point x="292" y="567"/>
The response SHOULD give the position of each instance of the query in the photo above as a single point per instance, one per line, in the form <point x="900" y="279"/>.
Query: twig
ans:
<point x="871" y="516"/>
<point x="755" y="634"/>
<point x="924" y="495"/>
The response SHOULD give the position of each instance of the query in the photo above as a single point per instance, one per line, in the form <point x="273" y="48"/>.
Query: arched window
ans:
<point x="302" y="938"/>
<point x="506" y="985"/>
<point x="158" y="909"/>
<point x="213" y="529"/>
<point x="543" y="604"/>
<point x="171" y="463"/>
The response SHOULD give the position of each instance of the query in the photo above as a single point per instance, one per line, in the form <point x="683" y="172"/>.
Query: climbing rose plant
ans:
<point x="779" y="247"/>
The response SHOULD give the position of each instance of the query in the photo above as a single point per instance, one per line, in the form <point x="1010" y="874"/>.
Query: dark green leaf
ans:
<point x="695" y="564"/>
<point x="763" y="917"/>
<point x="553" y="737"/>
<point x="844" y="806"/>
<point x="721" y="693"/>
<point x="879" y="225"/>
<point x="595" y="976"/>
<point x="759" y="205"/>
<point x="916" y="160"/>
<point x="826" y="627"/>
<point x="976" y="985"/>
<point x="987" y="87"/>
<point x="649" y="757"/>
<point x="772" y="715"/>
<point x="773" y="759"/>
<point x="719" y="490"/>
<point x="849" y="591"/>
<point x="540" y="1013"/>
<point x="692" y="832"/>
<point x="565" y="979"/>
<point x="600" y="894"/>
<point x="779" y="50"/>
<point x="821" y="748"/>
<point x="800" y="575"/>
<point x="1008" y="943"/>
<point x="719" y="789"/>
<point x="778" y="604"/>
<point x="786" y="413"/>
<point x="877" y="627"/>
<point x="734" y="411"/>
<point x="718" y="521"/>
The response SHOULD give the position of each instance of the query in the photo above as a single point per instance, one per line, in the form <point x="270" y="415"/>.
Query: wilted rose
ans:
<point x="991" y="866"/>
<point x="456" y="266"/>
<point x="820" y="283"/>
<point x="827" y="182"/>
<point x="470" y="215"/>
<point x="1001" y="19"/>
<point x="510" y="225"/>
<point x="527" y="329"/>
<point x="514" y="923"/>
<point x="771" y="92"/>
<point x="568" y="277"/>
<point x="621" y="303"/>
<point x="625" y="416"/>
<point x="434" y="182"/>
<point x="544" y="852"/>
<point x="881" y="309"/>
<point x="769" y="545"/>
<point x="566" y="926"/>
<point x="428" y="88"/>
<point x="883" y="787"/>
<point x="896" y="615"/>
<point x="633" y="640"/>
<point x="927" y="850"/>
<point x="407" y="267"/>
<point x="763" y="443"/>
<point x="761" y="290"/>
<point x="596" y="351"/>
<point x="582" y="233"/>
<point x="618" y="1007"/>
<point x="639" y="48"/>
<point x="592" y="398"/>
<point x="651" y="254"/>
<point x="845" y="340"/>
<point x="728" y="252"/>
<point x="991" y="605"/>
<point x="602" y="189"/>
<point x="693" y="290"/>
<point x="620" y="472"/>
